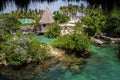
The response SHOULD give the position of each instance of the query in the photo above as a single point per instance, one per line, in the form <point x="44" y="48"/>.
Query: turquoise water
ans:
<point x="102" y="65"/>
<point x="44" y="39"/>
<point x="26" y="21"/>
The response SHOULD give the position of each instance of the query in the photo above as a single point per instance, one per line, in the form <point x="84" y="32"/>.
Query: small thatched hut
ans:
<point x="47" y="18"/>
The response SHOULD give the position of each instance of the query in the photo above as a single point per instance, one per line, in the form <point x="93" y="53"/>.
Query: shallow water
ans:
<point x="43" y="39"/>
<point x="102" y="65"/>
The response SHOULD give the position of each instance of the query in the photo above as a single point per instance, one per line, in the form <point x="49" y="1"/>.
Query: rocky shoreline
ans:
<point x="29" y="71"/>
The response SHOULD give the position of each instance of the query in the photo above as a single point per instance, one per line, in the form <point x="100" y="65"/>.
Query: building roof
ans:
<point x="47" y="18"/>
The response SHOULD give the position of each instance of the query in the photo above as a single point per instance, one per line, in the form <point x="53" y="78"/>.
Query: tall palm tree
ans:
<point x="64" y="10"/>
<point x="82" y="8"/>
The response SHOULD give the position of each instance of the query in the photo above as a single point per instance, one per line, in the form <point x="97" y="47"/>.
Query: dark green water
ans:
<point x="102" y="65"/>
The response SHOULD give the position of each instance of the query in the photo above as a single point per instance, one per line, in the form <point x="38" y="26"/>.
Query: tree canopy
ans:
<point x="94" y="22"/>
<point x="18" y="50"/>
<point x="61" y="18"/>
<point x="9" y="23"/>
<point x="53" y="30"/>
<point x="75" y="43"/>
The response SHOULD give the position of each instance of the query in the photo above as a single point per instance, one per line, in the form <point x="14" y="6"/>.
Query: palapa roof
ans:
<point x="47" y="18"/>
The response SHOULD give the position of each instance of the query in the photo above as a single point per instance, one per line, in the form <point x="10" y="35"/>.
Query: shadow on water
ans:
<point x="28" y="72"/>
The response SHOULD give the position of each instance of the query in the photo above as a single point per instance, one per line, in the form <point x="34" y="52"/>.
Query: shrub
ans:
<point x="113" y="21"/>
<point x="23" y="49"/>
<point x="9" y="23"/>
<point x="74" y="43"/>
<point x="54" y="30"/>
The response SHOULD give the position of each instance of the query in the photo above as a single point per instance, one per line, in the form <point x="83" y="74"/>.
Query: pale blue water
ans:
<point x="26" y="21"/>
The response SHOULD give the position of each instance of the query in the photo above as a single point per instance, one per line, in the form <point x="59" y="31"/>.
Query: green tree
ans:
<point x="75" y="43"/>
<point x="22" y="49"/>
<point x="61" y="18"/>
<point x="94" y="22"/>
<point x="53" y="30"/>
<point x="113" y="21"/>
<point x="9" y="23"/>
<point x="82" y="8"/>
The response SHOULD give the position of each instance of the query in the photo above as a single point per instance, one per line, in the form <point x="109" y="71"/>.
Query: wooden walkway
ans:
<point x="97" y="41"/>
<point x="113" y="40"/>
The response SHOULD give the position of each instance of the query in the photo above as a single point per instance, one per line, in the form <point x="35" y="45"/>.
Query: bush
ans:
<point x="9" y="23"/>
<point x="113" y="21"/>
<point x="74" y="43"/>
<point x="23" y="49"/>
<point x="54" y="30"/>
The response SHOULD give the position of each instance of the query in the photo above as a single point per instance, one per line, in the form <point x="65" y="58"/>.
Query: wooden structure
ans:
<point x="47" y="18"/>
<point x="97" y="41"/>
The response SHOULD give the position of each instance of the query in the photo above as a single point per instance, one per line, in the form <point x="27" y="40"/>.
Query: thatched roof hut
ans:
<point x="47" y="17"/>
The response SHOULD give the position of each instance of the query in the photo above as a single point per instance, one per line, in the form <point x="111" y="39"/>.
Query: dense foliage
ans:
<point x="94" y="22"/>
<point x="26" y="14"/>
<point x="71" y="10"/>
<point x="113" y="22"/>
<point x="61" y="18"/>
<point x="75" y="43"/>
<point x="9" y="23"/>
<point x="53" y="30"/>
<point x="98" y="22"/>
<point x="18" y="50"/>
<point x="34" y="15"/>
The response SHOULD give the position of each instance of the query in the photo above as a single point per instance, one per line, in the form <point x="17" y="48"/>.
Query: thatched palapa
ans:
<point x="47" y="17"/>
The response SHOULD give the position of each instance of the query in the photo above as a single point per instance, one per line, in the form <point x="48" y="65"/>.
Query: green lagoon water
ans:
<point x="102" y="65"/>
<point x="43" y="39"/>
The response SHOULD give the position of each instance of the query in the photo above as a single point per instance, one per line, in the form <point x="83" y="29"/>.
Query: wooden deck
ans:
<point x="97" y="41"/>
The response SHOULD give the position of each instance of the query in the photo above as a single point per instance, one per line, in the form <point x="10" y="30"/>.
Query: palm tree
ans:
<point x="64" y="10"/>
<point x="82" y="8"/>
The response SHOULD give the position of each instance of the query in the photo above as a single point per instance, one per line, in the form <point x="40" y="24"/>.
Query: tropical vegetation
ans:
<point x="17" y="49"/>
<point x="53" y="30"/>
<point x="98" y="22"/>
<point x="60" y="18"/>
<point x="94" y="22"/>
<point x="9" y="23"/>
<point x="69" y="43"/>
<point x="71" y="10"/>
<point x="32" y="14"/>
